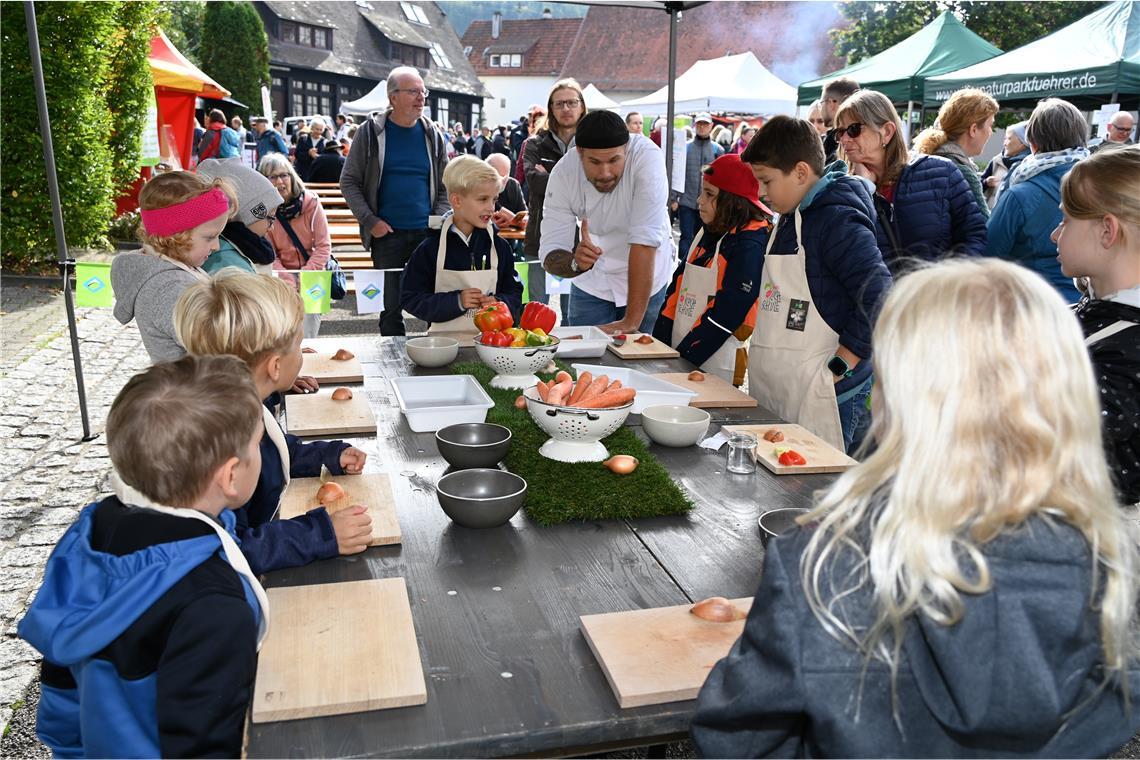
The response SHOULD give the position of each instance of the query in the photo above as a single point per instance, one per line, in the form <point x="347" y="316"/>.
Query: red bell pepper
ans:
<point x="790" y="458"/>
<point x="537" y="316"/>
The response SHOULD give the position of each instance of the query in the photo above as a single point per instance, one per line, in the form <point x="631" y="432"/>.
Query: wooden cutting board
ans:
<point x="372" y="491"/>
<point x="659" y="655"/>
<point x="821" y="456"/>
<point x="634" y="350"/>
<point x="337" y="648"/>
<point x="317" y="413"/>
<point x="327" y="370"/>
<point x="711" y="392"/>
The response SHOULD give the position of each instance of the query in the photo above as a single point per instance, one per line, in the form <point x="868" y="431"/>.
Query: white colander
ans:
<point x="575" y="434"/>
<point x="515" y="366"/>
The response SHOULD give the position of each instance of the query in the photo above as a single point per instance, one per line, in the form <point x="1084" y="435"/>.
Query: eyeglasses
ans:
<point x="278" y="177"/>
<point x="413" y="93"/>
<point x="567" y="104"/>
<point x="851" y="130"/>
<point x="1124" y="130"/>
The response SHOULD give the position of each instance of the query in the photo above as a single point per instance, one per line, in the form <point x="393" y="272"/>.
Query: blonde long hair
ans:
<point x="965" y="108"/>
<point x="1006" y="429"/>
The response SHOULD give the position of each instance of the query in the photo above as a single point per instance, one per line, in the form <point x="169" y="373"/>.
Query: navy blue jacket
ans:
<point x="1023" y="220"/>
<point x="272" y="544"/>
<point x="846" y="274"/>
<point x="934" y="215"/>
<point x="1023" y="663"/>
<point x="149" y="638"/>
<point x="418" y="296"/>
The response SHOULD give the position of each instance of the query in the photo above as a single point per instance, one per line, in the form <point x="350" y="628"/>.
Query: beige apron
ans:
<point x="448" y="280"/>
<point x="698" y="285"/>
<point x="787" y="366"/>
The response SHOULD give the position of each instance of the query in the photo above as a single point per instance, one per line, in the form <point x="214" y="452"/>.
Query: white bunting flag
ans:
<point x="557" y="284"/>
<point x="369" y="290"/>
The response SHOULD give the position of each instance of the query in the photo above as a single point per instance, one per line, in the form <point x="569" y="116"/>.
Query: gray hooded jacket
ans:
<point x="146" y="289"/>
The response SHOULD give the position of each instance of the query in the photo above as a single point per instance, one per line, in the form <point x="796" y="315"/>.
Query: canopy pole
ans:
<point x="65" y="264"/>
<point x="674" y="16"/>
<point x="910" y="121"/>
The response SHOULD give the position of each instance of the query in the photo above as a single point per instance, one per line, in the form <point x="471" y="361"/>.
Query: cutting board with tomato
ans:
<point x="319" y="414"/>
<point x="712" y="391"/>
<point x="337" y="648"/>
<point x="631" y="349"/>
<point x="328" y="370"/>
<point x="372" y="491"/>
<point x="821" y="456"/>
<point x="659" y="655"/>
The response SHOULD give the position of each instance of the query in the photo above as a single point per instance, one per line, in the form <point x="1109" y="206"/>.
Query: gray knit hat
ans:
<point x="257" y="197"/>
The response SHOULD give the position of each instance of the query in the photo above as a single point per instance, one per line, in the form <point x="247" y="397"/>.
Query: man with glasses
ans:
<point x="834" y="93"/>
<point x="1118" y="131"/>
<point x="393" y="182"/>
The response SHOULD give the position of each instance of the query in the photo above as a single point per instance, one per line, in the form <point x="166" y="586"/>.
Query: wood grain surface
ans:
<point x="659" y="655"/>
<point x="328" y="370"/>
<point x="634" y="350"/>
<point x="338" y="648"/>
<point x="372" y="491"/>
<point x="318" y="414"/>
<point x="821" y="456"/>
<point x="713" y="392"/>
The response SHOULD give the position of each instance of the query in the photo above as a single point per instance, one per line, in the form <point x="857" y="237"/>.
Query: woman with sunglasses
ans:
<point x="925" y="207"/>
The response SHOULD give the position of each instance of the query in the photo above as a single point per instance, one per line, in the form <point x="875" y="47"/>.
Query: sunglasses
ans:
<point x="851" y="130"/>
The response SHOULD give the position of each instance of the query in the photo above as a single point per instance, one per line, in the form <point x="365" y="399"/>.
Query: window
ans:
<point x="298" y="104"/>
<point x="439" y="56"/>
<point x="277" y="82"/>
<point x="326" y="105"/>
<point x="326" y="88"/>
<point x="516" y="61"/>
<point x="494" y="61"/>
<point x="414" y="13"/>
<point x="475" y="114"/>
<point x="304" y="35"/>
<point x="288" y="31"/>
<point x="310" y="85"/>
<point x="467" y="52"/>
<point x="442" y="112"/>
<point x="320" y="38"/>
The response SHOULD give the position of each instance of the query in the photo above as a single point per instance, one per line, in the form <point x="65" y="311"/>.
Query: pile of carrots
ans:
<point x="588" y="393"/>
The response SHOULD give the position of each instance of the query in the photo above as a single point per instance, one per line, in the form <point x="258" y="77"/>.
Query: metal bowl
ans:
<point x="473" y="444"/>
<point x="481" y="498"/>
<point x="432" y="351"/>
<point x="779" y="521"/>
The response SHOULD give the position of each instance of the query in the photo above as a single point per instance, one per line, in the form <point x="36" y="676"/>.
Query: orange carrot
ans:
<point x="616" y="384"/>
<point x="543" y="390"/>
<point x="598" y="385"/>
<point x="609" y="399"/>
<point x="558" y="393"/>
<point x="563" y="375"/>
<point x="580" y="387"/>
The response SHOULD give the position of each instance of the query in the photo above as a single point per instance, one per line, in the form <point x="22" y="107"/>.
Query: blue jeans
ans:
<point x="690" y="221"/>
<point x="855" y="416"/>
<point x="586" y="309"/>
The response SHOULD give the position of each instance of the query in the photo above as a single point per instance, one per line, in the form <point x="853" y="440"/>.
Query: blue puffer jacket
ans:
<point x="1025" y="216"/>
<point x="934" y="215"/>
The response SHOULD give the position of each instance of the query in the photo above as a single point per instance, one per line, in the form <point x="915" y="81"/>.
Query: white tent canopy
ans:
<point x="596" y="100"/>
<point x="377" y="100"/>
<point x="735" y="83"/>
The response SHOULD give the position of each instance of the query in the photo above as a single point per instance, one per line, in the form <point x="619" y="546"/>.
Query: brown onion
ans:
<point x="773" y="436"/>
<point x="520" y="402"/>
<point x="622" y="464"/>
<point x="717" y="609"/>
<point x="342" y="355"/>
<point x="644" y="340"/>
<point x="341" y="394"/>
<point x="329" y="493"/>
<point x="697" y="376"/>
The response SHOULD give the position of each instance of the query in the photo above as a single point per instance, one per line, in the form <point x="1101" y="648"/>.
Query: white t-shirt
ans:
<point x="633" y="213"/>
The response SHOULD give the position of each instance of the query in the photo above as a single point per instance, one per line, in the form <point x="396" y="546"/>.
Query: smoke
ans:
<point x="805" y="50"/>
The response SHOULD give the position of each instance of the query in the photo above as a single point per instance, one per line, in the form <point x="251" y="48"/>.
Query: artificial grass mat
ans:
<point x="559" y="492"/>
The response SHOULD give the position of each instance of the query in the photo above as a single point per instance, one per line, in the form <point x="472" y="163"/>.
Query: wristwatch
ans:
<point x="839" y="367"/>
<point x="574" y="264"/>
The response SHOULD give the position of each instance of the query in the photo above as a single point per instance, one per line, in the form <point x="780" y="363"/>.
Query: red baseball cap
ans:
<point x="730" y="174"/>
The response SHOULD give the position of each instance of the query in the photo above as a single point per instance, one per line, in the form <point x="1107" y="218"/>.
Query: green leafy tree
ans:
<point x="129" y="84"/>
<point x="76" y="42"/>
<point x="182" y="22"/>
<point x="235" y="51"/>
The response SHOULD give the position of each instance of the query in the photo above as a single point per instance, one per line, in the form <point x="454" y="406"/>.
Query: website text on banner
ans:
<point x="1028" y="85"/>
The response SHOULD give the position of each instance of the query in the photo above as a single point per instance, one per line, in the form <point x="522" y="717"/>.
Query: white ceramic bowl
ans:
<point x="515" y="366"/>
<point x="432" y="351"/>
<point x="673" y="425"/>
<point x="575" y="434"/>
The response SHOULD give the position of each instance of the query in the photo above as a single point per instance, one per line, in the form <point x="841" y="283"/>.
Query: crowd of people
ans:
<point x="972" y="337"/>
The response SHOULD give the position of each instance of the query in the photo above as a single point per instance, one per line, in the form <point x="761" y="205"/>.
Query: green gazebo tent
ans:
<point x="1092" y="61"/>
<point x="899" y="71"/>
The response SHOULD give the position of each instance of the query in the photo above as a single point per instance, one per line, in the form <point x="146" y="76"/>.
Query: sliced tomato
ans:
<point x="790" y="458"/>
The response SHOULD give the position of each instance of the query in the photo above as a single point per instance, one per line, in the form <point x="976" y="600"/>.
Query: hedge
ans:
<point x="235" y="51"/>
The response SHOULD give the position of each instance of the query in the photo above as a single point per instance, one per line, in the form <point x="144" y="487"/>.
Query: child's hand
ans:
<point x="503" y="216"/>
<point x="305" y="384"/>
<point x="471" y="298"/>
<point x="352" y="460"/>
<point x="353" y="529"/>
<point x="486" y="301"/>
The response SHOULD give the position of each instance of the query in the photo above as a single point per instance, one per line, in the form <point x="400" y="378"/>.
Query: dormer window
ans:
<point x="440" y="57"/>
<point x="414" y="13"/>
<point x="306" y="35"/>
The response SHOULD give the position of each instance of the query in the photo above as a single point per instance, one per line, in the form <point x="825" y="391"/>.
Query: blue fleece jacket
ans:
<point x="417" y="294"/>
<point x="1023" y="220"/>
<point x="934" y="215"/>
<point x="148" y="636"/>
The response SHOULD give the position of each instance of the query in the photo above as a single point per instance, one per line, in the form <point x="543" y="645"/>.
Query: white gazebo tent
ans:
<point x="735" y="83"/>
<point x="596" y="100"/>
<point x="376" y="100"/>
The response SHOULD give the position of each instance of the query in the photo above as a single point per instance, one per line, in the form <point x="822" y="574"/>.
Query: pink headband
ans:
<point x="164" y="222"/>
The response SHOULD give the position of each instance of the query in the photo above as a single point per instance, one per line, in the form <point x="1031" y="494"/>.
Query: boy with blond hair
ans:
<point x="149" y="617"/>
<point x="258" y="319"/>
<point x="464" y="265"/>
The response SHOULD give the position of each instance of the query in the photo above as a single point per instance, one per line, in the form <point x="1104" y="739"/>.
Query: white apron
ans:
<point x="1112" y="329"/>
<point x="273" y="430"/>
<point x="448" y="280"/>
<point x="698" y="285"/>
<point x="791" y="346"/>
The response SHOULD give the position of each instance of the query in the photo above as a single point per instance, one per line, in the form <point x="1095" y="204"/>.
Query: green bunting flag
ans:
<point x="316" y="285"/>
<point x="522" y="267"/>
<point x="93" y="285"/>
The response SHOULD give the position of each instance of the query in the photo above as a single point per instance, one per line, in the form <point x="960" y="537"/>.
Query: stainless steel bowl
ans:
<point x="473" y="444"/>
<point x="779" y="521"/>
<point x="481" y="498"/>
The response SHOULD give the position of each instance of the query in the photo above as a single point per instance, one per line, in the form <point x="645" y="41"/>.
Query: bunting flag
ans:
<point x="93" y="285"/>
<point x="522" y="268"/>
<point x="316" y="287"/>
<point x="369" y="291"/>
<point x="557" y="285"/>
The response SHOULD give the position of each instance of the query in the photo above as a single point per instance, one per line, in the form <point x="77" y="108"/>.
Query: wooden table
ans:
<point x="508" y="671"/>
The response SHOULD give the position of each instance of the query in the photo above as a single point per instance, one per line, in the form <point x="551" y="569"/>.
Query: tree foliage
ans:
<point x="182" y="22"/>
<point x="876" y="26"/>
<point x="129" y="85"/>
<point x="235" y="51"/>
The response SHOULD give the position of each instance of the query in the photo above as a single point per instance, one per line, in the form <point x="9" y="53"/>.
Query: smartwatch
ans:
<point x="840" y="368"/>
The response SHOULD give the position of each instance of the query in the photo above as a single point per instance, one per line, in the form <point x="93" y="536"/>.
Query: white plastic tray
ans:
<point x="430" y="403"/>
<point x="651" y="391"/>
<point x="591" y="346"/>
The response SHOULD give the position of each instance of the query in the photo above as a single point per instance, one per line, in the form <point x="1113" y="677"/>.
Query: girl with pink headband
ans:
<point x="182" y="216"/>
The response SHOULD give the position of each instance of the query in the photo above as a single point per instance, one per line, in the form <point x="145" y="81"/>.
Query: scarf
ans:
<point x="256" y="249"/>
<point x="954" y="152"/>
<point x="1037" y="163"/>
<point x="290" y="209"/>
